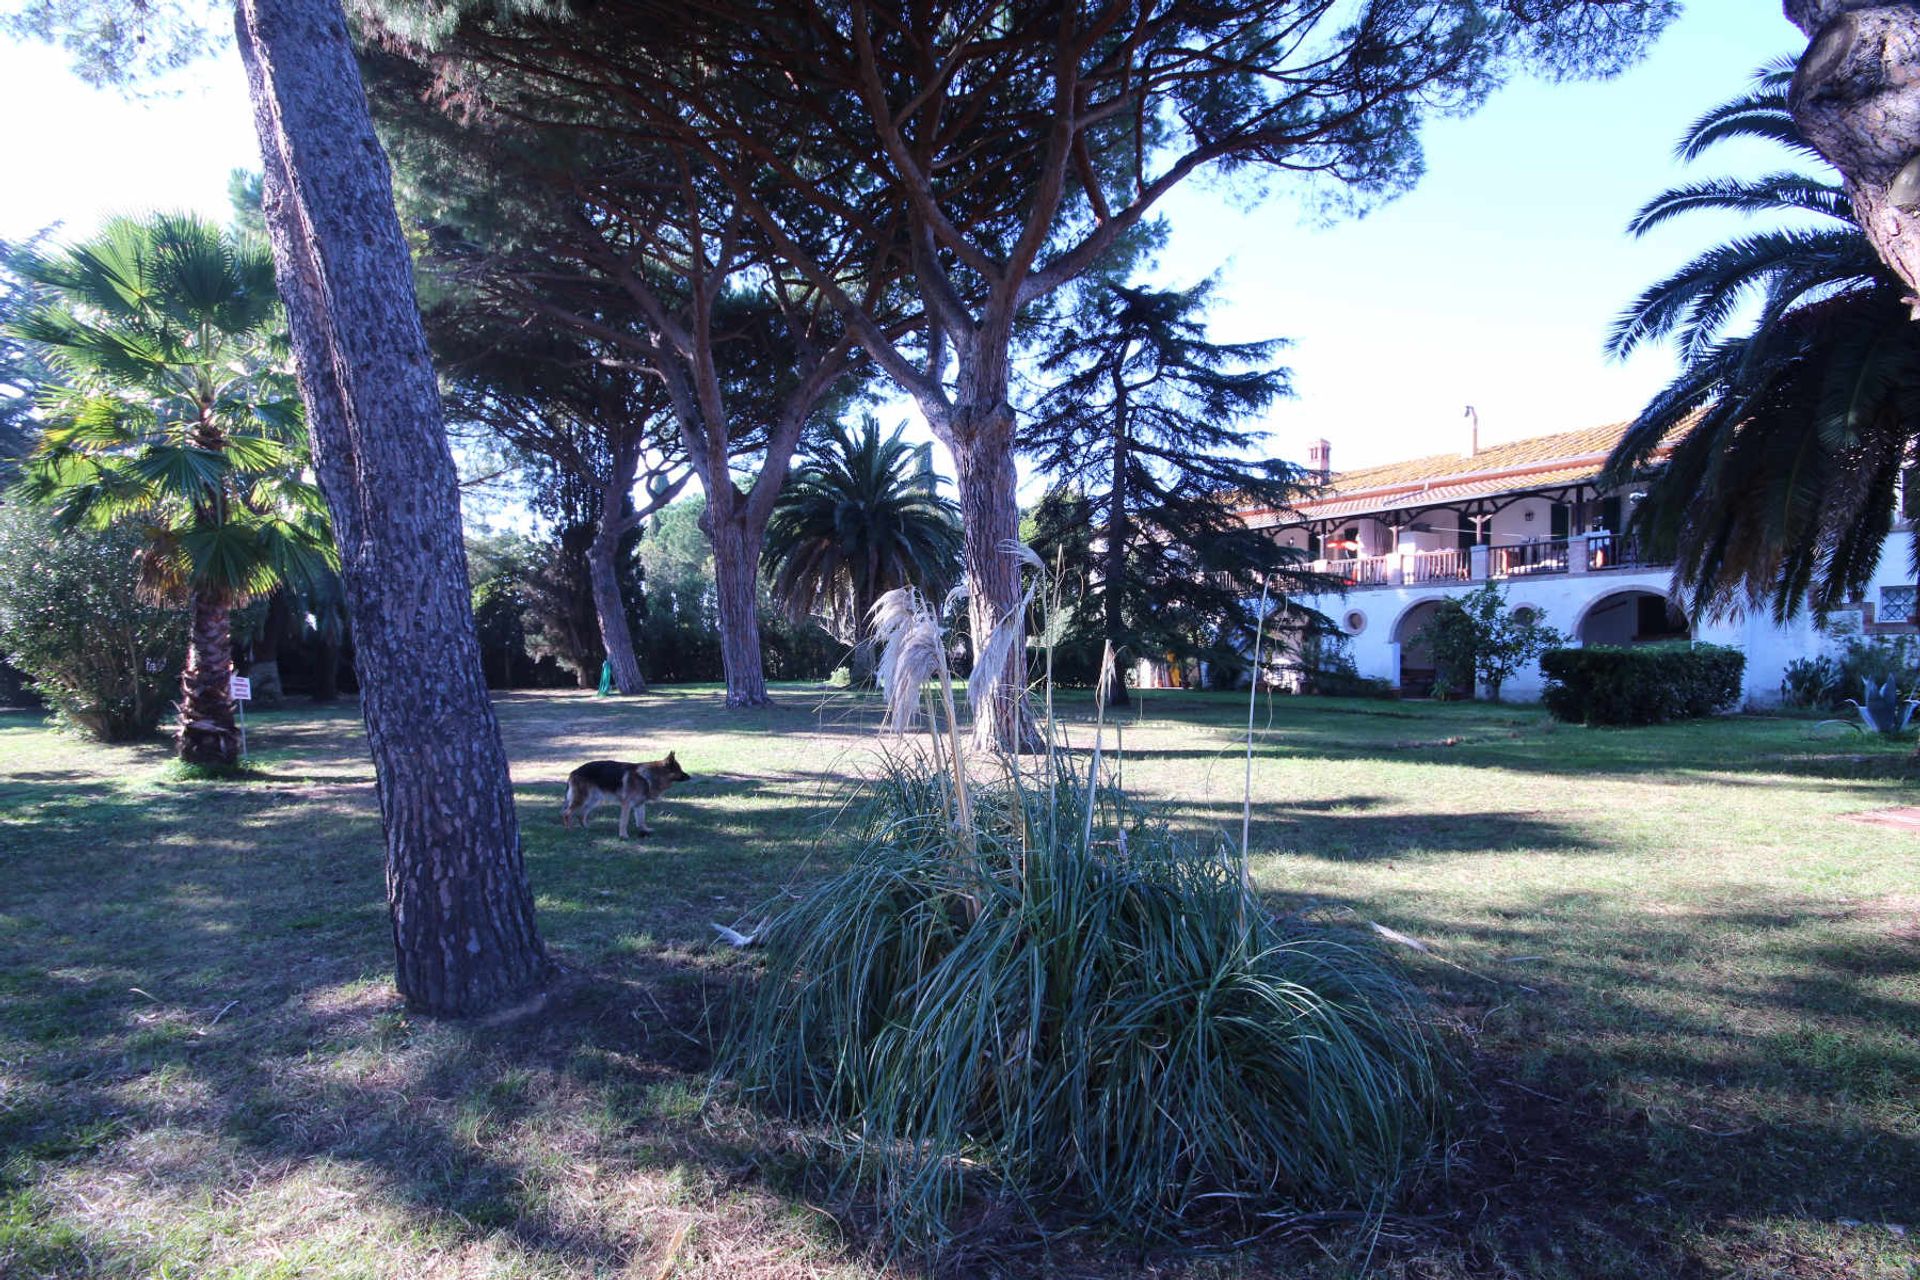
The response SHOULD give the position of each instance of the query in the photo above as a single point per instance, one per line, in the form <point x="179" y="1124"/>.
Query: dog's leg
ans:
<point x="566" y="808"/>
<point x="626" y="807"/>
<point x="593" y="801"/>
<point x="645" y="830"/>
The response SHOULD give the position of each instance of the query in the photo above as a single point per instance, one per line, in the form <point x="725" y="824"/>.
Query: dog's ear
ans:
<point x="672" y="761"/>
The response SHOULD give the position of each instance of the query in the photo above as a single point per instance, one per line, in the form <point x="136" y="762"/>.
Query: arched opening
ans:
<point x="1632" y="617"/>
<point x="1416" y="659"/>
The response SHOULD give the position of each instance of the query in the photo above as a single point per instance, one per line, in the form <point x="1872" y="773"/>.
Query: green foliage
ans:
<point x="1327" y="668"/>
<point x="1477" y="639"/>
<point x="862" y="516"/>
<point x="1827" y="682"/>
<point x="1109" y="1020"/>
<point x="1648" y="684"/>
<point x="170" y="405"/>
<point x="1771" y="461"/>
<point x="1810" y="682"/>
<point x="1145" y="423"/>
<point x="73" y="618"/>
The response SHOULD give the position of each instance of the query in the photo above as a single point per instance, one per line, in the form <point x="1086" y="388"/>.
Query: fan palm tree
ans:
<point x="862" y="516"/>
<point x="1785" y="443"/>
<point x="173" y="409"/>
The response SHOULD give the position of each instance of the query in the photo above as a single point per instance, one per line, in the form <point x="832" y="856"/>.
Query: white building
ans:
<point x="1532" y="516"/>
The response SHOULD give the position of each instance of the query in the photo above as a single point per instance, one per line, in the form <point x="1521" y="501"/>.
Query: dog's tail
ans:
<point x="566" y="807"/>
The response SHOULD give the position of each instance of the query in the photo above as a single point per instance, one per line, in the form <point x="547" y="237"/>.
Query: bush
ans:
<point x="1476" y="639"/>
<point x="1015" y="1010"/>
<point x="1647" y="684"/>
<point x="72" y="618"/>
<point x="1812" y="683"/>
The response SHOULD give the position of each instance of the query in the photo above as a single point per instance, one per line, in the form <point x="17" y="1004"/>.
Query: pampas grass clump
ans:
<point x="1111" y="1025"/>
<point x="1025" y="989"/>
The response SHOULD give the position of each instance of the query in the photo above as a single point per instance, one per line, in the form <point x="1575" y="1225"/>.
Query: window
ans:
<point x="1525" y="615"/>
<point x="1896" y="604"/>
<point x="1356" y="622"/>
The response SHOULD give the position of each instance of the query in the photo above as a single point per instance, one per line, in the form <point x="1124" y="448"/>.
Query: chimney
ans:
<point x="1319" y="460"/>
<point x="1473" y="432"/>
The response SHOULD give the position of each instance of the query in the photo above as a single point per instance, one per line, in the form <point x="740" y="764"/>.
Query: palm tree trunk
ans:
<point x="457" y="892"/>
<point x="615" y="636"/>
<point x="1856" y="98"/>
<point x="206" y="732"/>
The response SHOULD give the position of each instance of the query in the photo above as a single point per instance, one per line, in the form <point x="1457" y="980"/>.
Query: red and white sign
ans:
<point x="239" y="688"/>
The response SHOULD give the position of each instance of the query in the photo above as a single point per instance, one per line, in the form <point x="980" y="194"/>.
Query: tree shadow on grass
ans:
<point x="192" y="1019"/>
<point x="1639" y="1073"/>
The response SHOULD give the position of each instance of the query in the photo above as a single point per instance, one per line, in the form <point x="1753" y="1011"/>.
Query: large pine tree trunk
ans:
<point x="736" y="581"/>
<point x="264" y="670"/>
<point x="206" y="733"/>
<point x="326" y="670"/>
<point x="462" y="910"/>
<point x="1114" y="571"/>
<point x="611" y="607"/>
<point x="1856" y="97"/>
<point x="990" y="519"/>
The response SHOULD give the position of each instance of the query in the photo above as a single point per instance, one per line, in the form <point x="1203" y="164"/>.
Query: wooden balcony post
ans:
<point x="1477" y="562"/>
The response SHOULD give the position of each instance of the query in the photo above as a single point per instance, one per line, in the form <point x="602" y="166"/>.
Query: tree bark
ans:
<point x="990" y="519"/>
<point x="326" y="670"/>
<point x="736" y="560"/>
<point x="206" y="732"/>
<point x="1115" y="569"/>
<point x="1856" y="98"/>
<point x="461" y="908"/>
<point x="264" y="670"/>
<point x="611" y="607"/>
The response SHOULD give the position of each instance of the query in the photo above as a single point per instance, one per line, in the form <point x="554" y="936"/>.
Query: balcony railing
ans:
<point x="1523" y="559"/>
<point x="1364" y="571"/>
<point x="1451" y="565"/>
<point x="1582" y="553"/>
<point x="1612" y="551"/>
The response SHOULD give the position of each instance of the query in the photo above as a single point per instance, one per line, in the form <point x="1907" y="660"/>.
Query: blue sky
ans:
<point x="1492" y="284"/>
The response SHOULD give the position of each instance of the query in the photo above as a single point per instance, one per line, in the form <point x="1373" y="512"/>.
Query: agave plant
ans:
<point x="1884" y="710"/>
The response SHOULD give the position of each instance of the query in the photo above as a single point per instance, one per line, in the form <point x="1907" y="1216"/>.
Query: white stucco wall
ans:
<point x="1566" y="600"/>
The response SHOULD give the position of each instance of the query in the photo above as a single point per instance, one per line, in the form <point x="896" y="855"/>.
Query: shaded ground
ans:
<point x="1692" y="993"/>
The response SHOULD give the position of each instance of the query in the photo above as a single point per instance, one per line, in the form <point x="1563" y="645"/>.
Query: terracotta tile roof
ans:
<point x="1542" y="462"/>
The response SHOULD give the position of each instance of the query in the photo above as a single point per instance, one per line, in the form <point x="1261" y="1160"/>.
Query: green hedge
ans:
<point x="1651" y="684"/>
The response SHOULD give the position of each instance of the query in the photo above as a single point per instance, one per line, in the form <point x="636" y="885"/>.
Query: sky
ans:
<point x="1491" y="284"/>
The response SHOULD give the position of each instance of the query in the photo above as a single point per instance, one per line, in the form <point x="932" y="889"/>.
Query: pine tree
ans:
<point x="1143" y="434"/>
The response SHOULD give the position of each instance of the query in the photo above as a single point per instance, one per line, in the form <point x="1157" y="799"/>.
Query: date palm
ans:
<point x="173" y="409"/>
<point x="861" y="517"/>
<point x="1786" y="439"/>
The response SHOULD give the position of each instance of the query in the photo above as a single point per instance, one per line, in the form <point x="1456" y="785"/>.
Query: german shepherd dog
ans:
<point x="633" y="785"/>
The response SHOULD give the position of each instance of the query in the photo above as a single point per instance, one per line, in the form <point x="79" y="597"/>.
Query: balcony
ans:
<point x="1582" y="553"/>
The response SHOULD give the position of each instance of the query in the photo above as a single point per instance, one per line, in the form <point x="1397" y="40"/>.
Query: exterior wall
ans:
<point x="1588" y="604"/>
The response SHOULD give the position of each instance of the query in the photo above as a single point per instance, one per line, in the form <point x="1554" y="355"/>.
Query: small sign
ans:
<point x="239" y="688"/>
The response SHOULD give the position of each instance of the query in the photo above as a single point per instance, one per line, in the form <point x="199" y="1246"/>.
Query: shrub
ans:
<point x="1327" y="669"/>
<point x="1004" y="995"/>
<point x="71" y="616"/>
<point x="1647" y="684"/>
<point x="1810" y="683"/>
<point x="1476" y="639"/>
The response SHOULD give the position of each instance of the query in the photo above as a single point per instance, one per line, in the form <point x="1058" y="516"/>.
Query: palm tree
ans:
<point x="861" y="517"/>
<point x="1786" y="441"/>
<point x="173" y="409"/>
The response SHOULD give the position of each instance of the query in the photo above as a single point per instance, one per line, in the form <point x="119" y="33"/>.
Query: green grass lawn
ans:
<point x="1688" y="986"/>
